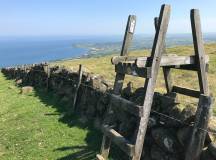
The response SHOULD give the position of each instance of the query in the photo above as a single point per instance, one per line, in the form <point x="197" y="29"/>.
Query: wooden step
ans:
<point x="186" y="91"/>
<point x="167" y="60"/>
<point x="99" y="157"/>
<point x="128" y="106"/>
<point x="119" y="140"/>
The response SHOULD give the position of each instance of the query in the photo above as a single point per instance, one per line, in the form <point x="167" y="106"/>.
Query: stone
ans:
<point x="19" y="81"/>
<point x="183" y="135"/>
<point x="212" y="149"/>
<point x="90" y="112"/>
<point x="98" y="83"/>
<point x="157" y="153"/>
<point x="167" y="101"/>
<point x="83" y="119"/>
<point x="127" y="128"/>
<point x="212" y="128"/>
<point x="65" y="99"/>
<point x="127" y="91"/>
<point x="26" y="89"/>
<point x="97" y="123"/>
<point x="206" y="155"/>
<point x="188" y="113"/>
<point x="175" y="113"/>
<point x="166" y="140"/>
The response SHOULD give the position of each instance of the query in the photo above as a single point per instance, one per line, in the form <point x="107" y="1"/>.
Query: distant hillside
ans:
<point x="102" y="65"/>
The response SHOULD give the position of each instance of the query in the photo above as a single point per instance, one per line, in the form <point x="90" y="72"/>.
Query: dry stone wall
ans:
<point x="166" y="138"/>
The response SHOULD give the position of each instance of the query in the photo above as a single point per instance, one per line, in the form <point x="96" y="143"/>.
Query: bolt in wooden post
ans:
<point x="80" y="72"/>
<point x="200" y="127"/>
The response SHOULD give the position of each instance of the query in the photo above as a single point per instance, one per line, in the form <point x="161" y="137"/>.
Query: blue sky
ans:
<point x="97" y="17"/>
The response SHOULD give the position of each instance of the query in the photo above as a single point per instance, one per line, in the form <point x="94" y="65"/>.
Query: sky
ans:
<point x="97" y="17"/>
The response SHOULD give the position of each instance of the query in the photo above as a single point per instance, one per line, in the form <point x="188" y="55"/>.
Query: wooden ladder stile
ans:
<point x="148" y="67"/>
<point x="150" y="73"/>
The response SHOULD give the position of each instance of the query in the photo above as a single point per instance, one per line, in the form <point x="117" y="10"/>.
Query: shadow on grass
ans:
<point x="93" y="138"/>
<point x="84" y="153"/>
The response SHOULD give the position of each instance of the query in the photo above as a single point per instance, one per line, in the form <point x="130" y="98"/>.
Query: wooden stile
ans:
<point x="148" y="67"/>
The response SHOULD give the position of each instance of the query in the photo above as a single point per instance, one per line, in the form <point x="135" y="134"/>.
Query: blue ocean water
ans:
<point x="27" y="51"/>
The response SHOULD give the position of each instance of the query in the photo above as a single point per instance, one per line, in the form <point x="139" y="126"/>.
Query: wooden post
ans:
<point x="197" y="140"/>
<point x="80" y="72"/>
<point x="48" y="76"/>
<point x="149" y="87"/>
<point x="166" y="70"/>
<point x="130" y="28"/>
<point x="119" y="79"/>
<point x="199" y="51"/>
<point x="24" y="74"/>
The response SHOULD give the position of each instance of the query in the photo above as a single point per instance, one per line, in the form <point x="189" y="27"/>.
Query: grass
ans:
<point x="103" y="66"/>
<point x="35" y="127"/>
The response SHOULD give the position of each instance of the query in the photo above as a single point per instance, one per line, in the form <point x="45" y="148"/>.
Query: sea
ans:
<point x="28" y="50"/>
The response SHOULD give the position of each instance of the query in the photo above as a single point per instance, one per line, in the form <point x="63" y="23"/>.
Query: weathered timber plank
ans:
<point x="47" y="71"/>
<point x="170" y="60"/>
<point x="128" y="34"/>
<point x="119" y="140"/>
<point x="119" y="79"/>
<point x="168" y="79"/>
<point x="99" y="157"/>
<point x="149" y="86"/>
<point x="105" y="147"/>
<point x="197" y="140"/>
<point x="189" y="67"/>
<point x="166" y="71"/>
<point x="130" y="69"/>
<point x="128" y="106"/>
<point x="123" y="59"/>
<point x="199" y="50"/>
<point x="186" y="91"/>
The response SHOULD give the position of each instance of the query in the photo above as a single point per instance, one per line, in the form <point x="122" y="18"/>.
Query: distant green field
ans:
<point x="35" y="127"/>
<point x="103" y="66"/>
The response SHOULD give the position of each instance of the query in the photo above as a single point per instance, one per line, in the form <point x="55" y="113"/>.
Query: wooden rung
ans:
<point x="119" y="140"/>
<point x="170" y="60"/>
<point x="186" y="91"/>
<point x="132" y="69"/>
<point x="99" y="157"/>
<point x="190" y="67"/>
<point x="128" y="106"/>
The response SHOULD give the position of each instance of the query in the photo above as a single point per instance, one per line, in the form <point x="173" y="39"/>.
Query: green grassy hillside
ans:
<point x="189" y="79"/>
<point x="36" y="127"/>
